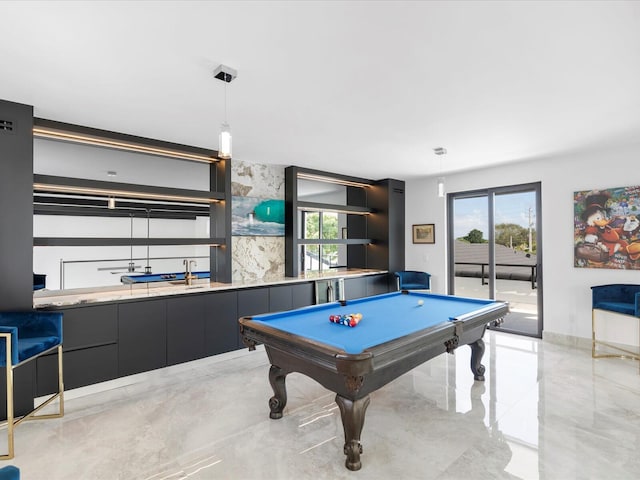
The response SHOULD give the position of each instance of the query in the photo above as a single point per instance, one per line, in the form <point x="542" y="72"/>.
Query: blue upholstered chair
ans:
<point x="39" y="281"/>
<point x="23" y="337"/>
<point x="412" y="280"/>
<point x="618" y="298"/>
<point x="9" y="473"/>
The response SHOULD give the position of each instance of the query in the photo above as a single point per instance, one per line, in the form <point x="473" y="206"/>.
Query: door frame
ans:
<point x="490" y="193"/>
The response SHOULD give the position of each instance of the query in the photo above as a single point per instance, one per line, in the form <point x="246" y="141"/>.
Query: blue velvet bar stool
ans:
<point x="24" y="336"/>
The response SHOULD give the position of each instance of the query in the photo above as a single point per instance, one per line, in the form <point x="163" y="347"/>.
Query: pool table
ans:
<point x="398" y="331"/>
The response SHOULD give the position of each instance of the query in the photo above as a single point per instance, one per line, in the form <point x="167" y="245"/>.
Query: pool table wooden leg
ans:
<point x="352" y="412"/>
<point x="477" y="351"/>
<point x="279" y="400"/>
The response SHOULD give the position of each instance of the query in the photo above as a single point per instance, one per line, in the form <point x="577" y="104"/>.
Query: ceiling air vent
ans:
<point x="6" y="126"/>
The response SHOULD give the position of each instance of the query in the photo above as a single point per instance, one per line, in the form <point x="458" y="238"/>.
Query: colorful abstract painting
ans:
<point x="607" y="228"/>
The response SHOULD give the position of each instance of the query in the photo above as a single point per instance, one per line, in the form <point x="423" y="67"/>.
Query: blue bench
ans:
<point x="619" y="298"/>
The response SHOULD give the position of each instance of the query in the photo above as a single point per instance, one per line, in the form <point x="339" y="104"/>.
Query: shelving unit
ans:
<point x="55" y="195"/>
<point x="375" y="220"/>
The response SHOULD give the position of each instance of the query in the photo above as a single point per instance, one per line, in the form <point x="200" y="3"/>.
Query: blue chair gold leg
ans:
<point x="11" y="421"/>
<point x="624" y="353"/>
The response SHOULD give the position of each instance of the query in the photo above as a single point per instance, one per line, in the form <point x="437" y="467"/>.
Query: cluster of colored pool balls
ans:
<point x="350" y="320"/>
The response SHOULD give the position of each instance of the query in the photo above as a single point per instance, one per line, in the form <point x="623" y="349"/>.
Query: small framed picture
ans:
<point x="425" y="233"/>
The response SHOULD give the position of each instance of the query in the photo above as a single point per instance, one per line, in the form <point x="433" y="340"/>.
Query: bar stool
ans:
<point x="24" y="336"/>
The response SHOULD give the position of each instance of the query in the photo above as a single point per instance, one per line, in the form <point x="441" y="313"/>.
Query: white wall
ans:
<point x="567" y="293"/>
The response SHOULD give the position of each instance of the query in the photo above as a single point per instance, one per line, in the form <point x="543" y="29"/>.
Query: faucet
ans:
<point x="188" y="276"/>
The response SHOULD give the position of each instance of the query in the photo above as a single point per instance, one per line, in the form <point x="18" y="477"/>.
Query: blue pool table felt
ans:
<point x="384" y="318"/>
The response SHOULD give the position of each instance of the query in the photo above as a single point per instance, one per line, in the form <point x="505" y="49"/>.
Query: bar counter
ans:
<point x="80" y="296"/>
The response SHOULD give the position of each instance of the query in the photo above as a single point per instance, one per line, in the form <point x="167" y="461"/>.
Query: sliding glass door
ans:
<point x="495" y="251"/>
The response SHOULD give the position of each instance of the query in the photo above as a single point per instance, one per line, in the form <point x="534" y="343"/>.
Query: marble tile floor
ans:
<point x="545" y="411"/>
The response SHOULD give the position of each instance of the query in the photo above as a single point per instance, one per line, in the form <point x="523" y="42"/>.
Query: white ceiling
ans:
<point x="365" y="88"/>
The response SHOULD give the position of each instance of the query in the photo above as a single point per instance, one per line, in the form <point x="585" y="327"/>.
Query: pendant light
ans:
<point x="111" y="201"/>
<point x="226" y="74"/>
<point x="440" y="151"/>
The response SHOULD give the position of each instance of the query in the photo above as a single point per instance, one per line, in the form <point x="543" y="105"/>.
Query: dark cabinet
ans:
<point x="90" y="335"/>
<point x="89" y="326"/>
<point x="185" y="328"/>
<point x="366" y="286"/>
<point x="287" y="297"/>
<point x="23" y="390"/>
<point x="107" y="341"/>
<point x="253" y="301"/>
<point x="142" y="336"/>
<point x="280" y="298"/>
<point x="303" y="295"/>
<point x="355" y="288"/>
<point x="82" y="367"/>
<point x="378" y="284"/>
<point x="221" y="322"/>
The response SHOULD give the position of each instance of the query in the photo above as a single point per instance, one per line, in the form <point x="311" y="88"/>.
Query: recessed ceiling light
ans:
<point x="112" y="173"/>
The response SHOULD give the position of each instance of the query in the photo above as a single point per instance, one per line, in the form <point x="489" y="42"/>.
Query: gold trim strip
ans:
<point x="120" y="193"/>
<point x="132" y="147"/>
<point x="320" y="178"/>
<point x="335" y="210"/>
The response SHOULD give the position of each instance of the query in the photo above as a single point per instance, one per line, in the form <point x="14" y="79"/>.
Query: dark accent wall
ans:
<point x="291" y="227"/>
<point x="16" y="206"/>
<point x="386" y="197"/>
<point x="220" y="222"/>
<point x="357" y="226"/>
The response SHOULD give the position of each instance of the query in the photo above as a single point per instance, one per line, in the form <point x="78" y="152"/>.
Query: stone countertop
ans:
<point x="82" y="296"/>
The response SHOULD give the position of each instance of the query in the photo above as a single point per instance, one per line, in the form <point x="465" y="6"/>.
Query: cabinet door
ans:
<point x="302" y="295"/>
<point x="377" y="284"/>
<point x="355" y="288"/>
<point x="221" y="322"/>
<point x="89" y="326"/>
<point x="82" y="367"/>
<point x="90" y="336"/>
<point x="185" y="328"/>
<point x="280" y="298"/>
<point x="24" y="390"/>
<point x="253" y="301"/>
<point x="142" y="336"/>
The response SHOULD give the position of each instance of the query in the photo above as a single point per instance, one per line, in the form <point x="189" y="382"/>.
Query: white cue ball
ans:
<point x="420" y="303"/>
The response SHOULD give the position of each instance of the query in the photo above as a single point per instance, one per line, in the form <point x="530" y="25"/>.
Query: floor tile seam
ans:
<point x="509" y="407"/>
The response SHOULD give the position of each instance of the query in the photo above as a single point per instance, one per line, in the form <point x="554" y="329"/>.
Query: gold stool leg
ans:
<point x="9" y="385"/>
<point x="593" y="333"/>
<point x="11" y="421"/>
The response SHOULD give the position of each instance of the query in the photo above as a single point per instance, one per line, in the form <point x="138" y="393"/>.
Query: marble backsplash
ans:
<point x="257" y="180"/>
<point x="257" y="257"/>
